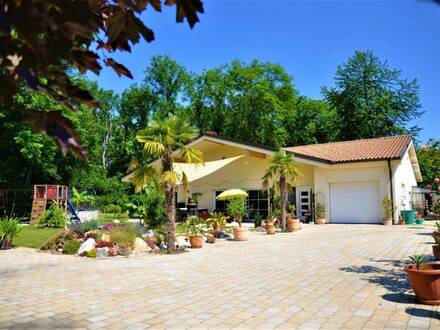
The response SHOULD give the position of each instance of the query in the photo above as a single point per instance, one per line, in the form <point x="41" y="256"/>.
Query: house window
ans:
<point x="256" y="202"/>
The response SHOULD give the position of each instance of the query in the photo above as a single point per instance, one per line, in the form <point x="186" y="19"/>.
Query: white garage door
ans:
<point x="355" y="202"/>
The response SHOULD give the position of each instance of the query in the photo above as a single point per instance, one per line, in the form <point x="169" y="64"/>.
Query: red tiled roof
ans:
<point x="357" y="150"/>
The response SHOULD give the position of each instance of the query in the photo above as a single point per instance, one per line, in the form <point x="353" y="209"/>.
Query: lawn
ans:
<point x="34" y="237"/>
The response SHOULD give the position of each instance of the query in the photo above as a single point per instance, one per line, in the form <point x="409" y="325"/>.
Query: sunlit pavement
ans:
<point x="331" y="276"/>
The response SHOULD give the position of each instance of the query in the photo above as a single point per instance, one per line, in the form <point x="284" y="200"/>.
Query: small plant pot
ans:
<point x="387" y="221"/>
<point x="320" y="221"/>
<point x="420" y="221"/>
<point x="196" y="241"/>
<point x="240" y="234"/>
<point x="436" y="251"/>
<point x="6" y="243"/>
<point x="425" y="283"/>
<point x="216" y="227"/>
<point x="270" y="229"/>
<point x="293" y="224"/>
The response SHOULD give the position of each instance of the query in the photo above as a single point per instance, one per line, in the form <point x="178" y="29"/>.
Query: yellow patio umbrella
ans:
<point x="231" y="194"/>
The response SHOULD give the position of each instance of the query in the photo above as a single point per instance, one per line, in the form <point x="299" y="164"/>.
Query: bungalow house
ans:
<point x="348" y="178"/>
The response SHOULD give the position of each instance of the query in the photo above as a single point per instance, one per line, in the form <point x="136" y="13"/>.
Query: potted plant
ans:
<point x="194" y="228"/>
<point x="320" y="214"/>
<point x="425" y="280"/>
<point x="9" y="227"/>
<point x="387" y="205"/>
<point x="270" y="227"/>
<point x="237" y="208"/>
<point x="292" y="223"/>
<point x="217" y="221"/>
<point x="436" y="233"/>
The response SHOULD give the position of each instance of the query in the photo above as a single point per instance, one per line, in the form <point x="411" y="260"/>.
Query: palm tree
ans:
<point x="160" y="139"/>
<point x="282" y="173"/>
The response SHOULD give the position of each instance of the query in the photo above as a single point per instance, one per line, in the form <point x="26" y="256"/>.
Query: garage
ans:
<point x="355" y="202"/>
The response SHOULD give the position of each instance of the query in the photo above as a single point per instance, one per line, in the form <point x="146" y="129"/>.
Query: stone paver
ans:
<point x="329" y="277"/>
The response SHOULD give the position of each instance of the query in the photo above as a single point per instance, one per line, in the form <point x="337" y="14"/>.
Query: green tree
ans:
<point x="371" y="99"/>
<point x="160" y="139"/>
<point x="66" y="34"/>
<point x="429" y="160"/>
<point x="281" y="173"/>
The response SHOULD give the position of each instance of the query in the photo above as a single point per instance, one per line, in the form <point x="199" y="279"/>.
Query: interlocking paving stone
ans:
<point x="328" y="277"/>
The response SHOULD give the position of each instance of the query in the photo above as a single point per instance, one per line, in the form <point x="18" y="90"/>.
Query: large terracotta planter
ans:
<point x="320" y="221"/>
<point x="436" y="236"/>
<point x="293" y="224"/>
<point x="196" y="241"/>
<point x="270" y="229"/>
<point x="387" y="221"/>
<point x="425" y="283"/>
<point x="436" y="251"/>
<point x="240" y="234"/>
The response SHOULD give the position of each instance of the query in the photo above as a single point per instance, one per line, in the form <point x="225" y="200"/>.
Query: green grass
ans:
<point x="34" y="237"/>
<point x="107" y="218"/>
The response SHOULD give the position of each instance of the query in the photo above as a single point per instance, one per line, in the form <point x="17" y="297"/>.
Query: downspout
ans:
<point x="391" y="187"/>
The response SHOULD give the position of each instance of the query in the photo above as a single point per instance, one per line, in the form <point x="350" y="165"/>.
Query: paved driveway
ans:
<point x="331" y="276"/>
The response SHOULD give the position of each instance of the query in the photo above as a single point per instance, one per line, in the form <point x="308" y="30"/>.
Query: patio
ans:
<point x="329" y="276"/>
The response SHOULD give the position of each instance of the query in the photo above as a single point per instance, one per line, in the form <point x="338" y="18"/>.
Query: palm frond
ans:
<point x="154" y="148"/>
<point x="184" y="181"/>
<point x="142" y="175"/>
<point x="171" y="177"/>
<point x="190" y="155"/>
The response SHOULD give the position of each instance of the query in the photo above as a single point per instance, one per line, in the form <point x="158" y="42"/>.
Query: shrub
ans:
<point x="257" y="220"/>
<point x="111" y="208"/>
<point x="53" y="217"/>
<point x="9" y="227"/>
<point x="102" y="244"/>
<point x="84" y="227"/>
<point x="124" y="238"/>
<point x="58" y="240"/>
<point x="71" y="247"/>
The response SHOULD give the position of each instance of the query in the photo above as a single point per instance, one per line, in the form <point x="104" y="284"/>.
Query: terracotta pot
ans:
<point x="425" y="283"/>
<point x="436" y="251"/>
<point x="196" y="241"/>
<point x="387" y="221"/>
<point x="401" y="221"/>
<point x="216" y="227"/>
<point x="436" y="236"/>
<point x="240" y="234"/>
<point x="320" y="221"/>
<point x="270" y="229"/>
<point x="293" y="224"/>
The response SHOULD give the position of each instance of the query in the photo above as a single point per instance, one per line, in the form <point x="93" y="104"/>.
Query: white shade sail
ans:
<point x="197" y="171"/>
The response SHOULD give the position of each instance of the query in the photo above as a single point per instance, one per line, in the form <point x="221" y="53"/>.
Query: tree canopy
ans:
<point x="371" y="99"/>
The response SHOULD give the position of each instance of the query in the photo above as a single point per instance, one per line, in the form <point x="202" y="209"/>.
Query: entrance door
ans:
<point x="303" y="201"/>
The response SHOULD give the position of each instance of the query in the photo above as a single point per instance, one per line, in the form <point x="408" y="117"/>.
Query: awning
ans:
<point x="196" y="171"/>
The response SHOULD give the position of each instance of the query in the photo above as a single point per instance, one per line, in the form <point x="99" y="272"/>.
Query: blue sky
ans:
<point x="309" y="38"/>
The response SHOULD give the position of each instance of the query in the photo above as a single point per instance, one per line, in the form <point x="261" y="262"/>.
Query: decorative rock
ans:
<point x="234" y="224"/>
<point x="140" y="246"/>
<point x="151" y="243"/>
<point x="210" y="239"/>
<point x="102" y="252"/>
<point x="183" y="241"/>
<point x="85" y="247"/>
<point x="260" y="229"/>
<point x="123" y="251"/>
<point x="113" y="251"/>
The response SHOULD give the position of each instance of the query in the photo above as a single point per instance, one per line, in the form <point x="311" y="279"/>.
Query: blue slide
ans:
<point x="72" y="211"/>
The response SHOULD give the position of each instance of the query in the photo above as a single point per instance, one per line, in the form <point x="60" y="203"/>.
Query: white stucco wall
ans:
<point x="351" y="172"/>
<point x="404" y="180"/>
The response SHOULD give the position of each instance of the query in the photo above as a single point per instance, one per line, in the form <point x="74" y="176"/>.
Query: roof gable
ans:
<point x="391" y="147"/>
